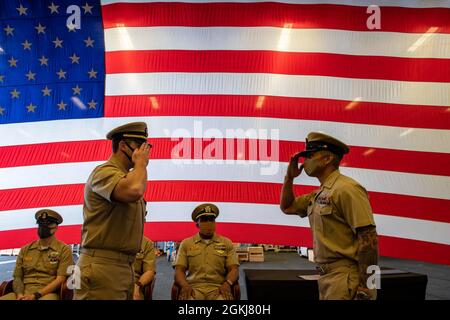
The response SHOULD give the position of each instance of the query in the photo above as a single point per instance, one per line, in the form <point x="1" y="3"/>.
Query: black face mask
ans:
<point x="132" y="150"/>
<point x="44" y="231"/>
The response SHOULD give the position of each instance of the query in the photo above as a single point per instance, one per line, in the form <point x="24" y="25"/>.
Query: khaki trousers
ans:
<point x="339" y="283"/>
<point x="12" y="296"/>
<point x="30" y="290"/>
<point x="105" y="278"/>
<point x="206" y="292"/>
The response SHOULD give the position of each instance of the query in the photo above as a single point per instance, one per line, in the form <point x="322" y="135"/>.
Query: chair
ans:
<point x="6" y="287"/>
<point x="235" y="289"/>
<point x="64" y="292"/>
<point x="148" y="290"/>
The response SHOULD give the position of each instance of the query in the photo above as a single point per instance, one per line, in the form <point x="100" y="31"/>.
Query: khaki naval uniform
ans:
<point x="335" y="211"/>
<point x="145" y="260"/>
<point x="38" y="266"/>
<point x="111" y="237"/>
<point x="206" y="262"/>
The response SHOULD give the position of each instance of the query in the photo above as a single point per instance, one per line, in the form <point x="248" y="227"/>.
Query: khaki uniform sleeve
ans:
<point x="301" y="204"/>
<point x="65" y="261"/>
<point x="18" y="270"/>
<point x="105" y="180"/>
<point x="181" y="259"/>
<point x="231" y="255"/>
<point x="353" y="202"/>
<point x="148" y="262"/>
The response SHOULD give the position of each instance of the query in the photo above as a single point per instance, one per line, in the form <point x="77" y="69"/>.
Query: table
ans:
<point x="269" y="284"/>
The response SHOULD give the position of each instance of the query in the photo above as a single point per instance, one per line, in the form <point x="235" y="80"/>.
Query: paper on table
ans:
<point x="309" y="277"/>
<point x="394" y="271"/>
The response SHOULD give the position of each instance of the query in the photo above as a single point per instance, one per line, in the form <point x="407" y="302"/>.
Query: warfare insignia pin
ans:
<point x="53" y="257"/>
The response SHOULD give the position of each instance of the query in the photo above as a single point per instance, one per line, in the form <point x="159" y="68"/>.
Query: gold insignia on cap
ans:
<point x="205" y="209"/>
<point x="316" y="141"/>
<point x="48" y="213"/>
<point x="137" y="130"/>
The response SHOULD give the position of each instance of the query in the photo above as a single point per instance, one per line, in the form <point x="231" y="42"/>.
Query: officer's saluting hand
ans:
<point x="294" y="170"/>
<point x="141" y="155"/>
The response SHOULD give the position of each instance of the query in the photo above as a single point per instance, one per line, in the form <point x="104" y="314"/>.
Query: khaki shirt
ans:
<point x="38" y="266"/>
<point x="145" y="259"/>
<point x="109" y="224"/>
<point x="335" y="211"/>
<point x="206" y="262"/>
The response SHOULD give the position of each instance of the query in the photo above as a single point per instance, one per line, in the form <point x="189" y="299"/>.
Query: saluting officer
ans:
<point x="114" y="213"/>
<point x="341" y="219"/>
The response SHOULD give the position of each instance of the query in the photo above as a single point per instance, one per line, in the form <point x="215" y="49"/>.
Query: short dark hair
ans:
<point x="115" y="145"/>
<point x="336" y="158"/>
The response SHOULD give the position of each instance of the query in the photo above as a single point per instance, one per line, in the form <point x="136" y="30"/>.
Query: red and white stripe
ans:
<point x="291" y="66"/>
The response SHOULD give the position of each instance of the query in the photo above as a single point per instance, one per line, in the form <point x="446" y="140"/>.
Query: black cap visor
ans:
<point x="306" y="153"/>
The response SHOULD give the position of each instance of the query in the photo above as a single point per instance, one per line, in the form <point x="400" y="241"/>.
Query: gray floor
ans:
<point x="438" y="275"/>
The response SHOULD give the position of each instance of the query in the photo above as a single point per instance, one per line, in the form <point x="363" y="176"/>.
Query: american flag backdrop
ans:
<point x="205" y="75"/>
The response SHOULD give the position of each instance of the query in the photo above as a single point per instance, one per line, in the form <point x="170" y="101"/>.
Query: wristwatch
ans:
<point x="139" y="283"/>
<point x="230" y="282"/>
<point x="37" y="295"/>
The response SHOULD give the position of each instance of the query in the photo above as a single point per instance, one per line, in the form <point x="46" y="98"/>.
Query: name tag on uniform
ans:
<point x="27" y="258"/>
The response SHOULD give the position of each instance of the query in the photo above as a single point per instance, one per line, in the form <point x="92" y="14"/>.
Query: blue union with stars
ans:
<point x="49" y="68"/>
